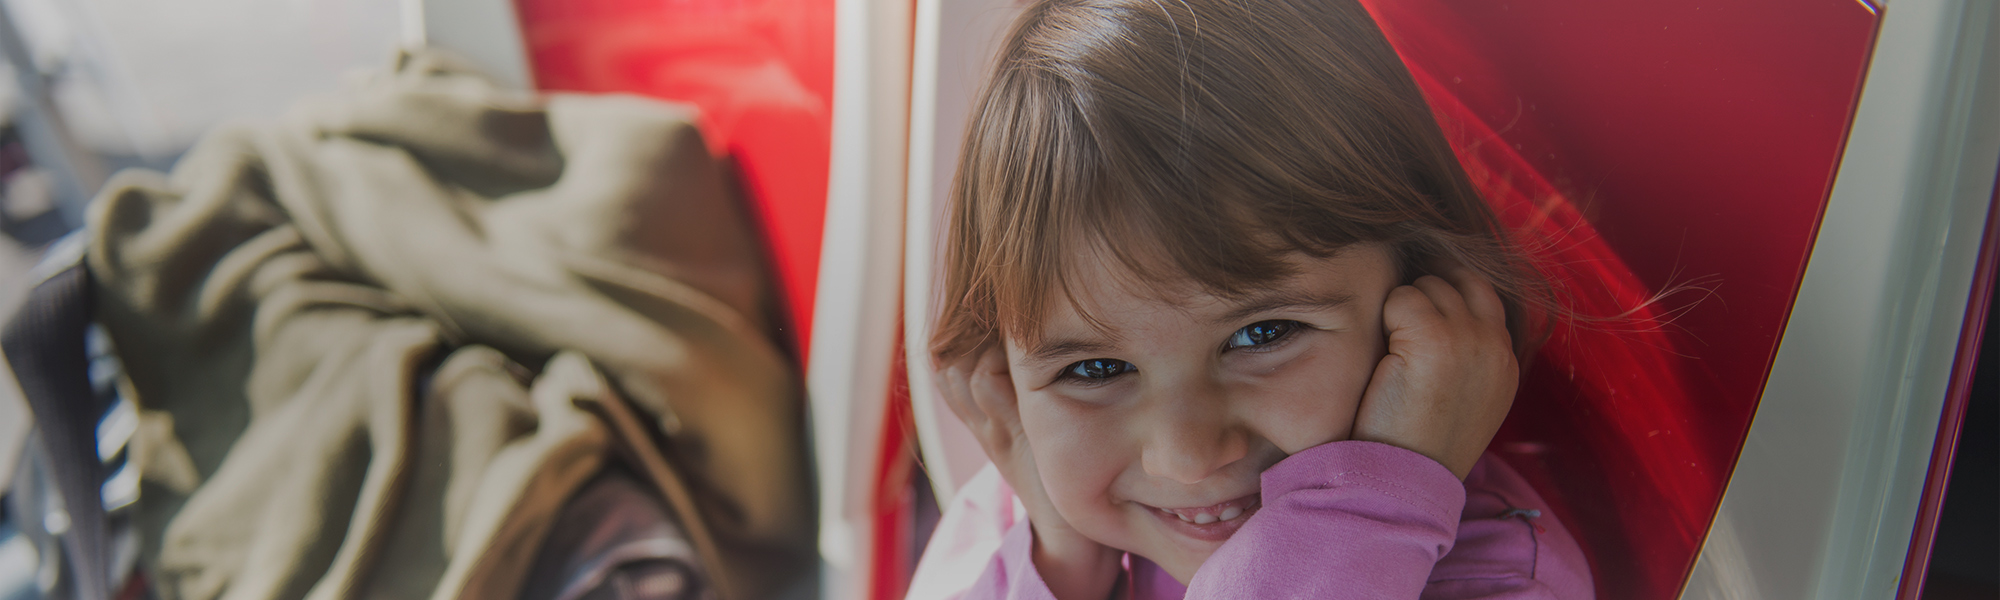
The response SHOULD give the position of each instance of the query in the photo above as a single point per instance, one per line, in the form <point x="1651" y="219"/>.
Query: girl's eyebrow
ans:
<point x="1051" y="350"/>
<point x="1284" y="299"/>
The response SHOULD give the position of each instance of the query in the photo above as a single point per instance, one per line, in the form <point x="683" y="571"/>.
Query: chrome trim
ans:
<point x="1824" y="496"/>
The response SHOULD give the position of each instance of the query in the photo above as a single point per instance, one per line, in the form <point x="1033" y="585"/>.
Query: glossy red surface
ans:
<point x="895" y="497"/>
<point x="760" y="70"/>
<point x="1957" y="396"/>
<point x="1644" y="148"/>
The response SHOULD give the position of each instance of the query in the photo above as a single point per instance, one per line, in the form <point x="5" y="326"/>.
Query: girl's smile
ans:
<point x="1215" y="522"/>
<point x="1152" y="419"/>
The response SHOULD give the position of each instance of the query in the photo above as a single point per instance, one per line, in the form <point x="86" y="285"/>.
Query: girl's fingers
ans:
<point x="1408" y="308"/>
<point x="1443" y="296"/>
<point x="1477" y="293"/>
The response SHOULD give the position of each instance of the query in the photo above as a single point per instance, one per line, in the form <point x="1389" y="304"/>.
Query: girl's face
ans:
<point x="1150" y="434"/>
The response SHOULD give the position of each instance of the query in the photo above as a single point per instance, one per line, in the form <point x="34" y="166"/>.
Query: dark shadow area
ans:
<point x="1965" y="558"/>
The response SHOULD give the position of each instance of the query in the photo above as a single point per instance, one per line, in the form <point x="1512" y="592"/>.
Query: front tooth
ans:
<point x="1204" y="519"/>
<point x="1184" y="517"/>
<point x="1231" y="513"/>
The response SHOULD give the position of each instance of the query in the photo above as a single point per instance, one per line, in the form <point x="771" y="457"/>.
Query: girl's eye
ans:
<point x="1099" y="368"/>
<point x="1260" y="333"/>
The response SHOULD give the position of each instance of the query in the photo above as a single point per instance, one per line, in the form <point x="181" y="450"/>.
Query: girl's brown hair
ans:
<point x="1202" y="141"/>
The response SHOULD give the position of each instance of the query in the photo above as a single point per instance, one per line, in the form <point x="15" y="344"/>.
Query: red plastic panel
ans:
<point x="760" y="70"/>
<point x="895" y="496"/>
<point x="1642" y="147"/>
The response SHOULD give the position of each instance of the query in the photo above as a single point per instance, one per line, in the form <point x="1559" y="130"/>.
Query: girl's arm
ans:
<point x="1366" y="520"/>
<point x="1340" y="520"/>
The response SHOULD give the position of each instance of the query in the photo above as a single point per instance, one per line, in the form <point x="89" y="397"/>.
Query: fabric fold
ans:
<point x="375" y="326"/>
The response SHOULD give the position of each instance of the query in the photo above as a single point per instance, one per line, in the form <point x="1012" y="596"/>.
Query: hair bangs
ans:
<point x="1198" y="145"/>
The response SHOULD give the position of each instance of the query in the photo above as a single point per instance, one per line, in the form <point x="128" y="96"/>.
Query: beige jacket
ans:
<point x="378" y="342"/>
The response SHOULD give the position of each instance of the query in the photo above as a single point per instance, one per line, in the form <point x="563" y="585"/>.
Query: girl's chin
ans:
<point x="1181" y="565"/>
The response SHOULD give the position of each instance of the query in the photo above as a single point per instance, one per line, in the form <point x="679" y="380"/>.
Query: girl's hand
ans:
<point x="1450" y="374"/>
<point x="979" y="389"/>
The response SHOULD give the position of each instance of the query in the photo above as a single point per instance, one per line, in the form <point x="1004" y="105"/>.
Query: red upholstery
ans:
<point x="1641" y="147"/>
<point x="760" y="70"/>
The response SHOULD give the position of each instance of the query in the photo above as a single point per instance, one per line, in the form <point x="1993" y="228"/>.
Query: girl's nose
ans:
<point x="1192" y="435"/>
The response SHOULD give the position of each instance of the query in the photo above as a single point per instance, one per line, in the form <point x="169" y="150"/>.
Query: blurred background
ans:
<point x="88" y="87"/>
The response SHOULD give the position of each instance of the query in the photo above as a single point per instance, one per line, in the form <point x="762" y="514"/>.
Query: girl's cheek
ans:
<point x="1314" y="399"/>
<point x="1077" y="452"/>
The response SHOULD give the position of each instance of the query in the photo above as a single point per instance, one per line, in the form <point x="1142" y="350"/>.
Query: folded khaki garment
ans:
<point x="379" y="342"/>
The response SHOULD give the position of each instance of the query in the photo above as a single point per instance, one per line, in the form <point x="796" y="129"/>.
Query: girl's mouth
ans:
<point x="1213" y="523"/>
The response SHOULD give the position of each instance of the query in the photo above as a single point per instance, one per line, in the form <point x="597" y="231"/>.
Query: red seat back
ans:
<point x="1641" y="148"/>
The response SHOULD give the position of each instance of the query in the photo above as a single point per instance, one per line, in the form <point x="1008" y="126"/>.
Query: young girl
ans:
<point x="1230" y="321"/>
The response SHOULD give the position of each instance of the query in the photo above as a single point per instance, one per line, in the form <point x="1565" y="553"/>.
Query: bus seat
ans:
<point x="1666" y="164"/>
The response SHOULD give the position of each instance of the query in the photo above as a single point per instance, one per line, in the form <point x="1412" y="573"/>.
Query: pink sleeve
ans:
<point x="1012" y="575"/>
<point x="1510" y="545"/>
<point x="1366" y="520"/>
<point x="981" y="549"/>
<point x="1342" y="520"/>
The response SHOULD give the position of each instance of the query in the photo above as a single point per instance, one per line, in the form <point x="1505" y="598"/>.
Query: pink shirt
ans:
<point x="1341" y="520"/>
